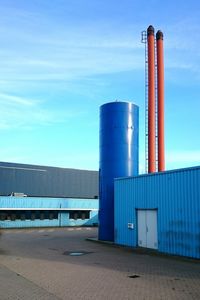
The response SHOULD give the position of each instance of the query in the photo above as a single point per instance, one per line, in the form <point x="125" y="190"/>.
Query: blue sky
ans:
<point x="60" y="60"/>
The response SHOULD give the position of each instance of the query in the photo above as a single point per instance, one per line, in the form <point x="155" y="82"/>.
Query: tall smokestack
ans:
<point x="151" y="101"/>
<point x="160" y="97"/>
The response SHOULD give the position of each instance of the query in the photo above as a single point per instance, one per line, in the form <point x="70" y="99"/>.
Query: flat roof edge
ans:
<point x="160" y="173"/>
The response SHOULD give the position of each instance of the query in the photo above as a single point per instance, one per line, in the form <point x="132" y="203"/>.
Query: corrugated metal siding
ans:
<point x="44" y="181"/>
<point x="176" y="195"/>
<point x="29" y="223"/>
<point x="42" y="203"/>
<point x="62" y="221"/>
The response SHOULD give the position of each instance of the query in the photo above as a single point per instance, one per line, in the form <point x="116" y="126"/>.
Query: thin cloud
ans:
<point x="71" y="64"/>
<point x="20" y="112"/>
<point x="11" y="99"/>
<point x="60" y="52"/>
<point x="52" y="51"/>
<point x="183" y="157"/>
<point x="183" y="35"/>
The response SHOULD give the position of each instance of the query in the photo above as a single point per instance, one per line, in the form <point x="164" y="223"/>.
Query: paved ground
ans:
<point x="34" y="264"/>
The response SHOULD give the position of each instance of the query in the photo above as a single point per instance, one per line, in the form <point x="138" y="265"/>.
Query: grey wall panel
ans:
<point x="45" y="181"/>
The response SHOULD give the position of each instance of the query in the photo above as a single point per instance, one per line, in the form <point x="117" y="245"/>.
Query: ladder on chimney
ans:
<point x="144" y="41"/>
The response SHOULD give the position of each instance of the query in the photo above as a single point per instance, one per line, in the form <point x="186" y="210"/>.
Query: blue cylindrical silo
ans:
<point x="119" y="122"/>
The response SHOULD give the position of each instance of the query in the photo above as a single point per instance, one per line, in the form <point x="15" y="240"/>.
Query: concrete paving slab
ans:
<point x="44" y="268"/>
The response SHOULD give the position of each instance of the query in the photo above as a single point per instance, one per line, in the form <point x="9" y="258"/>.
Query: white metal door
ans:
<point x="147" y="229"/>
<point x="142" y="236"/>
<point x="151" y="226"/>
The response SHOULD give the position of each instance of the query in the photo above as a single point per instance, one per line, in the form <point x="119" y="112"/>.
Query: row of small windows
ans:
<point x="12" y="215"/>
<point x="23" y="215"/>
<point x="79" y="214"/>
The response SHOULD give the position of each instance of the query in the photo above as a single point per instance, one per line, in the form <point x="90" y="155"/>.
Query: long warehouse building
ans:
<point x="47" y="196"/>
<point x="42" y="181"/>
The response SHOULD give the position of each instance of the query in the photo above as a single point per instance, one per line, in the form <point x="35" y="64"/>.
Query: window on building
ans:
<point x="23" y="215"/>
<point x="18" y="214"/>
<point x="27" y="215"/>
<point x="79" y="214"/>
<point x="83" y="216"/>
<point x="13" y="217"/>
<point x="50" y="216"/>
<point x="42" y="215"/>
<point x="32" y="216"/>
<point x="3" y="216"/>
<point x="37" y="214"/>
<point x="53" y="215"/>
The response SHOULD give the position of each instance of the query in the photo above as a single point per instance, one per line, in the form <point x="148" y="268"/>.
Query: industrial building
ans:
<point x="161" y="209"/>
<point x="39" y="196"/>
<point x="23" y="212"/>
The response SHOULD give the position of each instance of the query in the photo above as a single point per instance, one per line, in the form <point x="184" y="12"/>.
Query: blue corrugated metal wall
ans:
<point x="41" y="203"/>
<point x="61" y="205"/>
<point x="176" y="196"/>
<point x="29" y="223"/>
